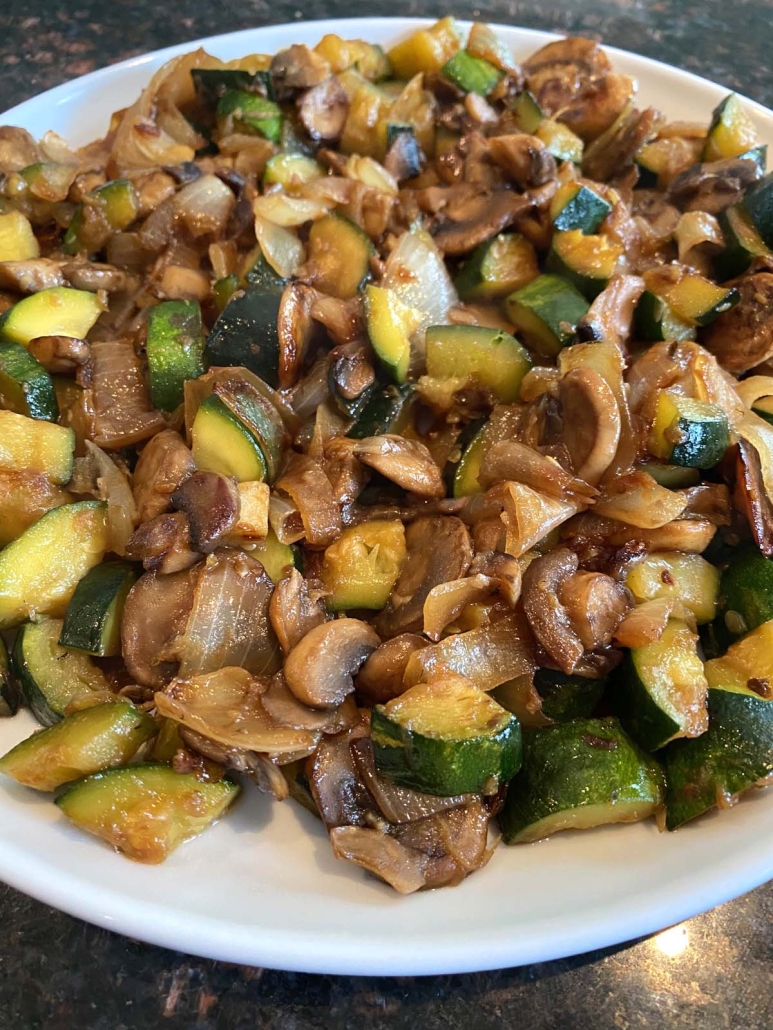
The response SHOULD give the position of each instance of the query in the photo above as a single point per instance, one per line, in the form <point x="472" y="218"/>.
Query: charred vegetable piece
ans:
<point x="612" y="781"/>
<point x="119" y="205"/>
<point x="743" y="243"/>
<point x="688" y="578"/>
<point x="146" y="811"/>
<point x="390" y="325"/>
<point x="759" y="204"/>
<point x="660" y="691"/>
<point x="361" y="567"/>
<point x="731" y="132"/>
<point x="578" y="207"/>
<point x="689" y="432"/>
<point x="245" y="332"/>
<point x="291" y="170"/>
<point x="251" y="112"/>
<point x="39" y="446"/>
<point x="92" y="622"/>
<point x="59" y="311"/>
<point x="340" y="253"/>
<point x="546" y="313"/>
<point x="734" y="755"/>
<point x="50" y="676"/>
<point x="9" y="690"/>
<point x="471" y="74"/>
<point x="489" y="359"/>
<point x="222" y="443"/>
<point x="527" y="112"/>
<point x="446" y="737"/>
<point x="17" y="239"/>
<point x="82" y="743"/>
<point x="588" y="262"/>
<point x="497" y="267"/>
<point x="747" y="591"/>
<point x="174" y="346"/>
<point x="25" y="385"/>
<point x="40" y="569"/>
<point x="387" y="411"/>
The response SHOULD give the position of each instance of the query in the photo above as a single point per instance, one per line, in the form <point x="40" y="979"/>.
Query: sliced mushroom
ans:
<point x="591" y="531"/>
<point x="438" y="550"/>
<point x="511" y="460"/>
<point x="404" y="868"/>
<point x="61" y="355"/>
<point x="164" y="463"/>
<point x="549" y="620"/>
<point x="295" y="330"/>
<point x="610" y="316"/>
<point x="595" y="604"/>
<point x="320" y="668"/>
<point x="591" y="422"/>
<point x="336" y="785"/>
<point x="347" y="475"/>
<point x="286" y="710"/>
<point x="298" y="67"/>
<point x="155" y="612"/>
<point x="163" y="545"/>
<point x="292" y="611"/>
<point x="713" y="185"/>
<point x="323" y="109"/>
<point x="752" y="498"/>
<point x="405" y="462"/>
<point x="31" y="276"/>
<point x="350" y="371"/>
<point x="89" y="275"/>
<point x="525" y="158"/>
<point x="381" y="677"/>
<point x="212" y="504"/>
<point x="743" y="337"/>
<point x="615" y="151"/>
<point x="503" y="569"/>
<point x="261" y="770"/>
<point x="485" y="215"/>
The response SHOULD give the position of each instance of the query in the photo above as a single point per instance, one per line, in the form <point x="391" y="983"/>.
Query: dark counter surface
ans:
<point x="57" y="973"/>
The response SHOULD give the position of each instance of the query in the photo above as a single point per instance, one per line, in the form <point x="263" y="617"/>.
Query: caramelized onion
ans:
<point x="123" y="414"/>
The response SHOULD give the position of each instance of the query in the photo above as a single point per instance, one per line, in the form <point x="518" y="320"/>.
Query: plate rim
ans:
<point x="315" y="951"/>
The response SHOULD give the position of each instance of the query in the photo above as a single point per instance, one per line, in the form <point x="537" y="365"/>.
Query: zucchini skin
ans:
<point x="546" y="313"/>
<point x="245" y="333"/>
<point x="747" y="587"/>
<point x="174" y="347"/>
<point x="92" y="622"/>
<point x="759" y="204"/>
<point x="25" y="385"/>
<point x="386" y="411"/>
<point x="567" y="697"/>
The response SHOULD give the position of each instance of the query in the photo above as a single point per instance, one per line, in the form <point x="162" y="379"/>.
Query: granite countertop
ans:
<point x="58" y="973"/>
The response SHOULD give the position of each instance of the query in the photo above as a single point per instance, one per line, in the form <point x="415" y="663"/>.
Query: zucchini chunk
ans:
<point x="291" y="170"/>
<point x="688" y="578"/>
<point x="742" y="243"/>
<point x="92" y="622"/>
<point x="388" y="411"/>
<point x="37" y="446"/>
<point x="245" y="332"/>
<point x="577" y="776"/>
<point x="588" y="262"/>
<point x="734" y="755"/>
<point x="40" y="569"/>
<point x="527" y="113"/>
<point x="654" y="320"/>
<point x="731" y="132"/>
<point x="546" y="313"/>
<point x="59" y="311"/>
<point x="223" y="289"/>
<point x="274" y="556"/>
<point x="174" y="347"/>
<point x="471" y="74"/>
<point x="497" y="267"/>
<point x="427" y="50"/>
<point x="577" y="207"/>
<point x="661" y="687"/>
<point x="51" y="677"/>
<point x="17" y="239"/>
<point x="25" y="385"/>
<point x="391" y="324"/>
<point x="467" y="471"/>
<point x="747" y="590"/>
<point x="119" y="205"/>
<point x="699" y="301"/>
<point x="763" y="407"/>
<point x="222" y="443"/>
<point x="567" y="697"/>
<point x="747" y="664"/>
<point x="489" y="359"/>
<point x="146" y="811"/>
<point x="446" y="737"/>
<point x="250" y="113"/>
<point x="9" y="690"/>
<point x="82" y="743"/>
<point x="689" y="432"/>
<point x="559" y="139"/>
<point x="759" y="203"/>
<point x="361" y="567"/>
<point x="211" y="83"/>
<point x="340" y="252"/>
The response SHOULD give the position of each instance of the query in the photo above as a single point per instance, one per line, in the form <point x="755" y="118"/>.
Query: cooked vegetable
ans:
<point x="731" y="132"/>
<point x="390" y="326"/>
<point x="471" y="74"/>
<point x="174" y="347"/>
<point x="743" y="243"/>
<point x="587" y="262"/>
<point x="9" y="690"/>
<point x="361" y="567"/>
<point x="485" y="358"/>
<point x="687" y="578"/>
<point x="60" y="311"/>
<point x="340" y="254"/>
<point x="688" y="432"/>
<point x="759" y="203"/>
<point x="746" y="590"/>
<point x="546" y="313"/>
<point x="578" y="207"/>
<point x="245" y="333"/>
<point x="387" y="411"/>
<point x="25" y="385"/>
<point x="92" y="622"/>
<point x="37" y="446"/>
<point x="17" y="240"/>
<point x="222" y="443"/>
<point x="498" y="267"/>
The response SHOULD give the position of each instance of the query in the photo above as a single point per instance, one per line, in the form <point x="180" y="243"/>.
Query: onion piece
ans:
<point x="205" y="205"/>
<point x="123" y="415"/>
<point x="417" y="273"/>
<point x="645" y="623"/>
<point x="285" y="519"/>
<point x="228" y="624"/>
<point x="197" y="390"/>
<point x="305" y="482"/>
<point x="698" y="229"/>
<point x="155" y="612"/>
<point x="447" y="600"/>
<point x="113" y="487"/>
<point x="640" y="501"/>
<point x="529" y="515"/>
<point x="280" y="247"/>
<point x="509" y="459"/>
<point x="287" y="211"/>
<point x="400" y="866"/>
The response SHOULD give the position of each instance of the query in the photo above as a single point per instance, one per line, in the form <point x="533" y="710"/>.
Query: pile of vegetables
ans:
<point x="393" y="430"/>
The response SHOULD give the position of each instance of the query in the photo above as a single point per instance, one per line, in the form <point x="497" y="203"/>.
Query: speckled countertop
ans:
<point x="57" y="973"/>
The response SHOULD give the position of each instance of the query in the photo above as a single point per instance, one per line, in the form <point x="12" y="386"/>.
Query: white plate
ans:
<point x="262" y="887"/>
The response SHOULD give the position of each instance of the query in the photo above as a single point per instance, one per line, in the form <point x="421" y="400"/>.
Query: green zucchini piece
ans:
<point x="275" y="556"/>
<point x="40" y="569"/>
<point x="446" y="738"/>
<point x="759" y="203"/>
<point x="559" y="139"/>
<point x="578" y="207"/>
<point x="361" y="567"/>
<point x="388" y="410"/>
<point x="673" y="477"/>
<point x="699" y="301"/>
<point x="546" y="313"/>
<point x="747" y="664"/>
<point x="175" y="345"/>
<point x="82" y="743"/>
<point x="340" y="252"/>
<point x="489" y="359"/>
<point x="467" y="471"/>
<point x="211" y="83"/>
<point x="527" y="113"/>
<point x="731" y="132"/>
<point x="660" y="690"/>
<point x="497" y="267"/>
<point x="577" y="776"/>
<point x="17" y="238"/>
<point x="223" y="289"/>
<point x="746" y="590"/>
<point x="92" y="622"/>
<point x="118" y="203"/>
<point x="245" y="333"/>
<point x="689" y="432"/>
<point x="654" y="320"/>
<point x="50" y="676"/>
<point x="291" y="170"/>
<point x="735" y="754"/>
<point x="763" y="407"/>
<point x="222" y="443"/>
<point x="742" y="243"/>
<point x="59" y="311"/>
<point x="9" y="689"/>
<point x="588" y="262"/>
<point x="688" y="578"/>
<point x="25" y="385"/>
<point x="250" y="112"/>
<point x="37" y="445"/>
<point x="146" y="811"/>
<point x="390" y="326"/>
<point x="259" y="416"/>
<point x="471" y="74"/>
<point x="567" y="697"/>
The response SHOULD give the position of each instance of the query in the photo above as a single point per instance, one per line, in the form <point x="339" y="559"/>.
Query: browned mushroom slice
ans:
<point x="261" y="770"/>
<point x="60" y="354"/>
<point x="405" y="462"/>
<point x="614" y="151"/>
<point x="595" y="604"/>
<point x="298" y="67"/>
<point x="709" y="501"/>
<point x="347" y="475"/>
<point x="510" y="459"/>
<point x="31" y="276"/>
<point x="743" y="337"/>
<point x="164" y="463"/>
<point x="482" y="217"/>
<point x="163" y="545"/>
<point x="526" y="159"/>
<point x="155" y="612"/>
<point x="752" y="498"/>
<point x="714" y="185"/>
<point x="503" y="569"/>
<point x="549" y="620"/>
<point x="323" y="109"/>
<point x="211" y="502"/>
<point x="320" y="669"/>
<point x="89" y="275"/>
<point x="381" y="677"/>
<point x="292" y="611"/>
<point x="591" y="422"/>
<point x="438" y="549"/>
<point x="610" y="316"/>
<point x="286" y="710"/>
<point x="295" y="328"/>
<point x="336" y="785"/>
<point x="692" y="536"/>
